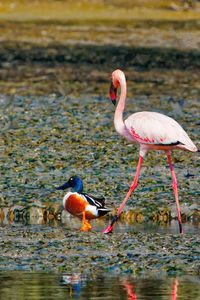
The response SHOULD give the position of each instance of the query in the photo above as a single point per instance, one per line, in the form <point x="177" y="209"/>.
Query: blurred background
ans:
<point x="57" y="46"/>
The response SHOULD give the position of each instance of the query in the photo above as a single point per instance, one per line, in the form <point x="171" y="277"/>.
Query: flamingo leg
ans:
<point x="132" y="188"/>
<point x="175" y="188"/>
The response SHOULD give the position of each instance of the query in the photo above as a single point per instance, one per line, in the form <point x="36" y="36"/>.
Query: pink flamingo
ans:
<point x="153" y="131"/>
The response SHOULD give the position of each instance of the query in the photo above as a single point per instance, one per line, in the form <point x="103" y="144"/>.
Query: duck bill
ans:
<point x="63" y="186"/>
<point x="113" y="93"/>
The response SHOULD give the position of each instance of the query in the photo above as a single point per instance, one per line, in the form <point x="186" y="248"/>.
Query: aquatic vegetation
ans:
<point x="48" y="248"/>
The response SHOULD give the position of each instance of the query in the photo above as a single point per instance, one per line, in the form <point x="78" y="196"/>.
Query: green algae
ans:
<point x="49" y="248"/>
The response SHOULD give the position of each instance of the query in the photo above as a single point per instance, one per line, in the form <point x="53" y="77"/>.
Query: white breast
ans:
<point x="92" y="209"/>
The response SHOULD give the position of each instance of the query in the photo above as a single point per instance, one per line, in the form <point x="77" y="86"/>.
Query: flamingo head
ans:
<point x="116" y="77"/>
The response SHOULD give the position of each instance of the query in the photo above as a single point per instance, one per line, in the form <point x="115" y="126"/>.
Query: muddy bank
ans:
<point x="61" y="250"/>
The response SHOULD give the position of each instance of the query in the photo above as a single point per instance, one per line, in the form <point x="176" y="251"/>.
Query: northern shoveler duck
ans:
<point x="82" y="205"/>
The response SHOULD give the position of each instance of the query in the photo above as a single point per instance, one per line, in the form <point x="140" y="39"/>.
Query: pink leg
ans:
<point x="175" y="188"/>
<point x="132" y="188"/>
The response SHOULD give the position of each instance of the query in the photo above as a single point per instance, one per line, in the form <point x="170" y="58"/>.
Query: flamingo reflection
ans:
<point x="129" y="289"/>
<point x="174" y="289"/>
<point x="132" y="295"/>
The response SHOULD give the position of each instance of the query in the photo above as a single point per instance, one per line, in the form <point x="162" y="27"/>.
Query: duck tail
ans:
<point x="102" y="211"/>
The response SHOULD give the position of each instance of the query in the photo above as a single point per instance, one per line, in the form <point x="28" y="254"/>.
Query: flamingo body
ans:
<point x="153" y="131"/>
<point x="82" y="205"/>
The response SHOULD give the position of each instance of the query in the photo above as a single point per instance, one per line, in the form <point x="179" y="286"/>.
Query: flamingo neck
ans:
<point x="118" y="117"/>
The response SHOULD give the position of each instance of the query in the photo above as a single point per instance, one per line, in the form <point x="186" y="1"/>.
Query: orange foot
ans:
<point x="86" y="226"/>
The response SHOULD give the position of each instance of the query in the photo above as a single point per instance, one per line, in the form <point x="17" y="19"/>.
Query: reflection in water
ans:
<point x="175" y="289"/>
<point x="129" y="288"/>
<point x="79" y="286"/>
<point x="74" y="283"/>
<point x="29" y="286"/>
<point x="53" y="215"/>
<point x="132" y="295"/>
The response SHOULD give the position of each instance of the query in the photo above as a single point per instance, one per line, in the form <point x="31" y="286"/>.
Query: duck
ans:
<point x="80" y="204"/>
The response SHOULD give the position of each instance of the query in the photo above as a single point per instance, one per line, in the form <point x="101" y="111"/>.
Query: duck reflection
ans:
<point x="74" y="283"/>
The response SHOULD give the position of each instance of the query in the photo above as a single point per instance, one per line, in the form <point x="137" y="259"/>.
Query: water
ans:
<point x="125" y="225"/>
<point x="155" y="227"/>
<point x="23" y="285"/>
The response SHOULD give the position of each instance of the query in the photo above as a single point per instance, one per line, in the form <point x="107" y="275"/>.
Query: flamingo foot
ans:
<point x="180" y="227"/>
<point x="108" y="229"/>
<point x="86" y="226"/>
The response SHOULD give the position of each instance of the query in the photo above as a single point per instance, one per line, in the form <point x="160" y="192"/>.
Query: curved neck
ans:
<point x="118" y="117"/>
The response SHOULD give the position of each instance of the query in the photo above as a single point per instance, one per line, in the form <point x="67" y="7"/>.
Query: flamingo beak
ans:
<point x="113" y="93"/>
<point x="63" y="187"/>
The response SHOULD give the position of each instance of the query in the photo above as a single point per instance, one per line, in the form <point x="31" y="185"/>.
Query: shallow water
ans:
<point x="19" y="216"/>
<point x="147" y="227"/>
<point x="23" y="285"/>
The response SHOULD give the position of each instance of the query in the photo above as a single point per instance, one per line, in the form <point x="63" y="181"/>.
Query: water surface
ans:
<point x="23" y="285"/>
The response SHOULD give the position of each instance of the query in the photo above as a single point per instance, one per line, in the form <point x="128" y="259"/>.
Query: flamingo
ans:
<point x="80" y="204"/>
<point x="153" y="131"/>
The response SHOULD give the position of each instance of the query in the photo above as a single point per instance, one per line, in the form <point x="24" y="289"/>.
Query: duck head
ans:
<point x="74" y="182"/>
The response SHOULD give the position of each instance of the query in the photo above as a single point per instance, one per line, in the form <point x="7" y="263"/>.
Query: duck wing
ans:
<point x="98" y="202"/>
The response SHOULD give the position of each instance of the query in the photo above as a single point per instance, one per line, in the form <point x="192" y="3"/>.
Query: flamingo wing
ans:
<point x="157" y="129"/>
